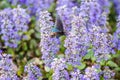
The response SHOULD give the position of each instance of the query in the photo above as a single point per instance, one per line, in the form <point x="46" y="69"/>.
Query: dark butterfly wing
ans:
<point x="58" y="24"/>
<point x="57" y="30"/>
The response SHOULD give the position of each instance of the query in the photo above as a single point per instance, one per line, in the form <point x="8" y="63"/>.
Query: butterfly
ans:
<point x="57" y="30"/>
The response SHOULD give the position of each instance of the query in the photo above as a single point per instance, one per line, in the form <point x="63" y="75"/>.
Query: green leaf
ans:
<point x="69" y="67"/>
<point x="31" y="31"/>
<point x="48" y="74"/>
<point x="62" y="48"/>
<point x="82" y="66"/>
<point x="89" y="55"/>
<point x="33" y="44"/>
<point x="50" y="78"/>
<point x="47" y="69"/>
<point x="40" y="78"/>
<point x="37" y="35"/>
<point x="115" y="55"/>
<point x="112" y="64"/>
<point x="25" y="47"/>
<point x="11" y="51"/>
<point x="93" y="59"/>
<point x="109" y="57"/>
<point x="52" y="7"/>
<point x="35" y="61"/>
<point x="118" y="52"/>
<point x="102" y="62"/>
<point x="37" y="52"/>
<point x="20" y="71"/>
<point x="62" y="38"/>
<point x="4" y="4"/>
<point x="117" y="69"/>
<point x="21" y="54"/>
<point x="60" y="55"/>
<point x="101" y="78"/>
<point x="78" y="1"/>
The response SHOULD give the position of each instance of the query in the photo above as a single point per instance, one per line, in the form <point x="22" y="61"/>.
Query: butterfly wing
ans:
<point x="57" y="30"/>
<point x="58" y="24"/>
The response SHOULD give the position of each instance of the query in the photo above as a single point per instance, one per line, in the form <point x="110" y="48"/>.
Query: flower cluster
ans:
<point x="59" y="67"/>
<point x="101" y="42"/>
<point x="33" y="72"/>
<point x="95" y="21"/>
<point x="76" y="75"/>
<point x="116" y="40"/>
<point x="69" y="3"/>
<point x="92" y="73"/>
<point x="107" y="73"/>
<point x="77" y="42"/>
<point x="33" y="5"/>
<point x="117" y="6"/>
<point x="13" y="24"/>
<point x="105" y="5"/>
<point x="93" y="13"/>
<point x="7" y="68"/>
<point x="49" y="45"/>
